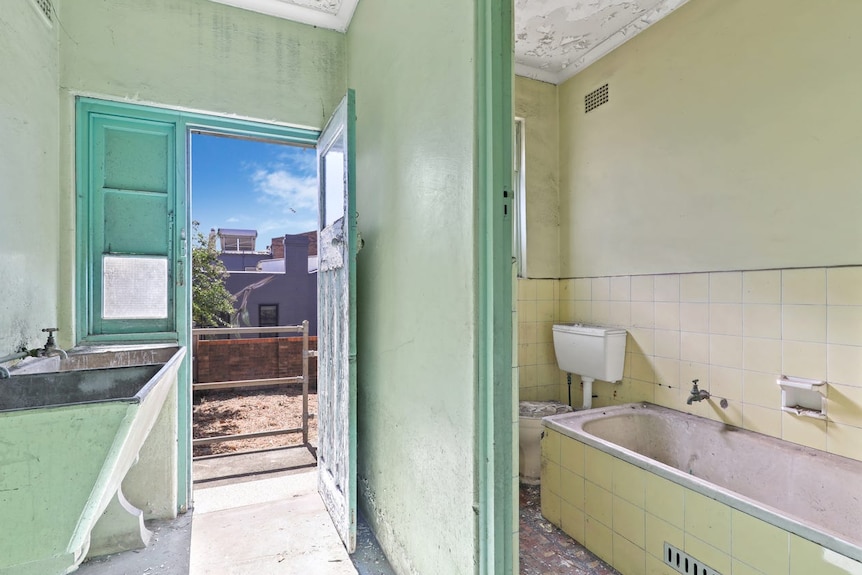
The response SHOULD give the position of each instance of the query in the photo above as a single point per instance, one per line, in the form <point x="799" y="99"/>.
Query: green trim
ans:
<point x="185" y="123"/>
<point x="495" y="489"/>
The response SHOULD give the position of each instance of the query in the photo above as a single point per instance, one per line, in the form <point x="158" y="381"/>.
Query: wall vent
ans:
<point x="46" y="9"/>
<point x="685" y="563"/>
<point x="596" y="98"/>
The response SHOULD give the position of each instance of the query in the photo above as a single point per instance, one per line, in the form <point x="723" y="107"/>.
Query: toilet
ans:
<point x="591" y="351"/>
<point x="530" y="414"/>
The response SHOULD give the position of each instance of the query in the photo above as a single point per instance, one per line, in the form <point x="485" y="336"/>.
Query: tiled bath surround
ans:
<point x="736" y="332"/>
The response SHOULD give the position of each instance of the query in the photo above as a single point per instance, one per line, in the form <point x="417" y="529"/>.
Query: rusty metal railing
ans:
<point x="198" y="333"/>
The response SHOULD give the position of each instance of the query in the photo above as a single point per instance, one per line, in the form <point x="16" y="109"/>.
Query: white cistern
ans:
<point x="591" y="351"/>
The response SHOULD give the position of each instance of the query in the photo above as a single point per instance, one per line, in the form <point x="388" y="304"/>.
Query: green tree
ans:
<point x="212" y="304"/>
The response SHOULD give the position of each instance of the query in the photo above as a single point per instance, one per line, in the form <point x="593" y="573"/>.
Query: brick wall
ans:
<point x="238" y="359"/>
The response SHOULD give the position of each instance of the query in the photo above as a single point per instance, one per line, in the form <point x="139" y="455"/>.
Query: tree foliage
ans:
<point x="212" y="304"/>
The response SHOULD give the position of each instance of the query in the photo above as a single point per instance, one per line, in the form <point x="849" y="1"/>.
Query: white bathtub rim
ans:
<point x="767" y="513"/>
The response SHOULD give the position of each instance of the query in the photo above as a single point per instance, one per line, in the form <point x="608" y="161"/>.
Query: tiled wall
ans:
<point x="625" y="514"/>
<point x="736" y="332"/>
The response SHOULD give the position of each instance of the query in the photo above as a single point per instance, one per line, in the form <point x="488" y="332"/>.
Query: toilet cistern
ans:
<point x="591" y="351"/>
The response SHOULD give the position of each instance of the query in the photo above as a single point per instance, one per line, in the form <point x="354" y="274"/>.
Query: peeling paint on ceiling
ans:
<point x="331" y="14"/>
<point x="555" y="39"/>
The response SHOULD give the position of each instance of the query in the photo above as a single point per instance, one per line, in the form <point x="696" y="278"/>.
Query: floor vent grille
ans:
<point x="596" y="98"/>
<point x="685" y="563"/>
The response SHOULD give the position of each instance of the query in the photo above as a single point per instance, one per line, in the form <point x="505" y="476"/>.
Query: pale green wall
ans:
<point x="193" y="54"/>
<point x="731" y="141"/>
<point x="536" y="102"/>
<point x="411" y="63"/>
<point x="28" y="176"/>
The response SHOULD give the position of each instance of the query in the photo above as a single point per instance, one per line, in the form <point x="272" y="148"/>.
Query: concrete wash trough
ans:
<point x="70" y="432"/>
<point x="805" y="501"/>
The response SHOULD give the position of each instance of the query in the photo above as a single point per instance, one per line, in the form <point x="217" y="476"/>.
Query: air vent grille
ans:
<point x="46" y="9"/>
<point x="685" y="563"/>
<point x="596" y="98"/>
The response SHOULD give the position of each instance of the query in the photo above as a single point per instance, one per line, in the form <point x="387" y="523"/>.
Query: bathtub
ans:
<point x="68" y="440"/>
<point x="627" y="479"/>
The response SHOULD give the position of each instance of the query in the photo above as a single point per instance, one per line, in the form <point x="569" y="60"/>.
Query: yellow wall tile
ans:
<point x="761" y="320"/>
<point x="621" y="288"/>
<point x="527" y="290"/>
<point x="527" y="311"/>
<point x="642" y="368"/>
<point x="740" y="568"/>
<point x="726" y="382"/>
<point x="807" y="286"/>
<point x="527" y="376"/>
<point x="628" y="557"/>
<point x="598" y="467"/>
<point x="761" y="420"/>
<point x="629" y="481"/>
<point x="667" y="343"/>
<point x="845" y="404"/>
<point x="761" y="355"/>
<point x="807" y="558"/>
<point x="844" y="364"/>
<point x="601" y="312"/>
<point x="641" y="340"/>
<point x="550" y="476"/>
<point x="643" y="288"/>
<point x="667" y="372"/>
<point x="667" y="287"/>
<point x="760" y="544"/>
<point x="689" y="371"/>
<point x="655" y="566"/>
<point x="551" y="505"/>
<point x="761" y="389"/>
<point x="844" y="440"/>
<point x="804" y="323"/>
<point x="583" y="289"/>
<point x="545" y="332"/>
<point x="572" y="521"/>
<point x="620" y="313"/>
<point x="803" y="430"/>
<point x="694" y="317"/>
<point x="844" y="324"/>
<point x="601" y="289"/>
<point x="583" y="311"/>
<point x="545" y="311"/>
<point x="598" y="503"/>
<point x="667" y="315"/>
<point x="667" y="396"/>
<point x="527" y="354"/>
<point x="694" y="287"/>
<point x="761" y="287"/>
<point x="566" y="289"/>
<point x="546" y="290"/>
<point x="643" y="314"/>
<point x="803" y="359"/>
<point x="708" y="520"/>
<point x="628" y="521"/>
<point x="599" y="539"/>
<point x="526" y="332"/>
<point x="725" y="318"/>
<point x="844" y="286"/>
<point x="725" y="350"/>
<point x="694" y="347"/>
<point x="551" y="446"/>
<point x="665" y="500"/>
<point x="571" y="488"/>
<point x="708" y="554"/>
<point x="657" y="532"/>
<point x="572" y="455"/>
<point x="725" y="287"/>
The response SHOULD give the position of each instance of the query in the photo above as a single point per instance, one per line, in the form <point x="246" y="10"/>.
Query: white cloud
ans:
<point x="232" y="220"/>
<point x="288" y="191"/>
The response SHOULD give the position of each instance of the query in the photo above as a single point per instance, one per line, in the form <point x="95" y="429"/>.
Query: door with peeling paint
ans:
<point x="336" y="320"/>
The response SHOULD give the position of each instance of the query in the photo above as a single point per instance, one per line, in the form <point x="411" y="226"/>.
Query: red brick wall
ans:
<point x="238" y="359"/>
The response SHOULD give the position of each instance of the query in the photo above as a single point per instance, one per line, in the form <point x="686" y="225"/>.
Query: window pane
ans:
<point x="134" y="287"/>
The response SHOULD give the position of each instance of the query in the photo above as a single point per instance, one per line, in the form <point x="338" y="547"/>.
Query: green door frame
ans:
<point x="494" y="400"/>
<point x="186" y="123"/>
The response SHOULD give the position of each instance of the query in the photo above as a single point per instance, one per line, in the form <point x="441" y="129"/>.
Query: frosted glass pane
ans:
<point x="134" y="288"/>
<point x="333" y="163"/>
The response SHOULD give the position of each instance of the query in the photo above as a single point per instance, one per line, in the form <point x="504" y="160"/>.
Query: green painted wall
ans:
<point x="536" y="102"/>
<point x="29" y="179"/>
<point x="411" y="63"/>
<point x="731" y="141"/>
<point x="193" y="54"/>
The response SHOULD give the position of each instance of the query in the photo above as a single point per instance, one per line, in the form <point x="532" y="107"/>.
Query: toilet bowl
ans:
<point x="530" y="414"/>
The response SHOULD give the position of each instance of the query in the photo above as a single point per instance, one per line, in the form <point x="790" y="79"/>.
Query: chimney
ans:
<point x="278" y="248"/>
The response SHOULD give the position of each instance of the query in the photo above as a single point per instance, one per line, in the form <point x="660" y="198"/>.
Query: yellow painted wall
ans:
<point x="536" y="103"/>
<point x="29" y="181"/>
<point x="411" y="63"/>
<point x="731" y="141"/>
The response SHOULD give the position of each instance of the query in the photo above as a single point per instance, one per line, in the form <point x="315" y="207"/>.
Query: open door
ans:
<point x="336" y="321"/>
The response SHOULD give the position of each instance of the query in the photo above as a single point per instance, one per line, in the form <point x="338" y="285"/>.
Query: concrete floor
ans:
<point x="246" y="521"/>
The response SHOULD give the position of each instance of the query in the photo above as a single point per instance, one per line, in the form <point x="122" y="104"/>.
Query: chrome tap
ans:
<point x="696" y="394"/>
<point x="50" y="346"/>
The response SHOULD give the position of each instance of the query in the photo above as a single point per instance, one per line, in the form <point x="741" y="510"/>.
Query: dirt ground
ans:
<point x="231" y="412"/>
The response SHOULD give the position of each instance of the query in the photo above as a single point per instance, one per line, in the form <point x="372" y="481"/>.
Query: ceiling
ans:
<point x="554" y="39"/>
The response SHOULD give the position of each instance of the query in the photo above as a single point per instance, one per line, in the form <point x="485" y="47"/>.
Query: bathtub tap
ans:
<point x="696" y="394"/>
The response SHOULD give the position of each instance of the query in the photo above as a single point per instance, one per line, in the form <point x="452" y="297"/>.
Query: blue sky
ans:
<point x="271" y="188"/>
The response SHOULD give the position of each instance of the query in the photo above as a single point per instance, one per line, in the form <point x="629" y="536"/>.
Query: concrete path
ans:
<point x="275" y="526"/>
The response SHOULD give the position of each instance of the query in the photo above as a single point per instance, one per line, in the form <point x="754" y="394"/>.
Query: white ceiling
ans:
<point x="554" y="39"/>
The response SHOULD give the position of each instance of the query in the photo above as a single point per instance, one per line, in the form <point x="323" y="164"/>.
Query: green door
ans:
<point x="336" y="321"/>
